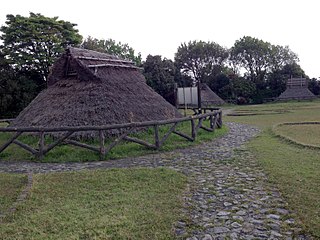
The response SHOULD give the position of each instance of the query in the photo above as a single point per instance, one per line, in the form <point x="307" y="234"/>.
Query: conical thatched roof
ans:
<point x="297" y="88"/>
<point x="91" y="88"/>
<point x="208" y="97"/>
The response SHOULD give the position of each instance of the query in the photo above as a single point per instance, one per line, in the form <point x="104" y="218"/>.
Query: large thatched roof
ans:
<point x="91" y="88"/>
<point x="297" y="88"/>
<point x="208" y="97"/>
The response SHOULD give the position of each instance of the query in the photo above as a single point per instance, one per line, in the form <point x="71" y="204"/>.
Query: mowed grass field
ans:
<point x="107" y="204"/>
<point x="294" y="169"/>
<point x="310" y="136"/>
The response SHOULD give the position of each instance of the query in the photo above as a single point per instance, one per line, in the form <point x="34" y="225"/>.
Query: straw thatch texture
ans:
<point x="79" y="94"/>
<point x="208" y="97"/>
<point x="297" y="88"/>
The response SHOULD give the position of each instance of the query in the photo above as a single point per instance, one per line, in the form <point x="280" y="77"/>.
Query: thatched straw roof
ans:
<point x="208" y="97"/>
<point x="297" y="88"/>
<point x="91" y="88"/>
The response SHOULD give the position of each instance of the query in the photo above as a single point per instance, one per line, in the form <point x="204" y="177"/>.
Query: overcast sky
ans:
<point x="159" y="27"/>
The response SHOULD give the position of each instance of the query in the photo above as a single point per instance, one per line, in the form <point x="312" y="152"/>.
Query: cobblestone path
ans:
<point x="230" y="197"/>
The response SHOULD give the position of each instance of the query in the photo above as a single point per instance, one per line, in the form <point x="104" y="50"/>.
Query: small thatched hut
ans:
<point x="208" y="97"/>
<point x="297" y="88"/>
<point x="91" y="88"/>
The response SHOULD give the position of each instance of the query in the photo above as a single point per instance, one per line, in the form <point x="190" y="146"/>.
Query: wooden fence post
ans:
<point x="41" y="145"/>
<point x="193" y="129"/>
<point x="211" y="122"/>
<point x="220" y="119"/>
<point x="156" y="136"/>
<point x="102" y="149"/>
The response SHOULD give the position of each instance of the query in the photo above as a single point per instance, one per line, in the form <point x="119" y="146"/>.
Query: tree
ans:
<point x="314" y="86"/>
<point x="200" y="59"/>
<point x="17" y="89"/>
<point x="160" y="74"/>
<point x="112" y="47"/>
<point x="281" y="56"/>
<point x="34" y="42"/>
<point x="253" y="55"/>
<point x="243" y="90"/>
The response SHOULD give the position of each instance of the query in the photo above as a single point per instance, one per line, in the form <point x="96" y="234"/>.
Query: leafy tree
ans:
<point x="281" y="56"/>
<point x="112" y="47"/>
<point x="30" y="46"/>
<point x="314" y="86"/>
<point x="200" y="59"/>
<point x="218" y="84"/>
<point x="160" y="74"/>
<point x="243" y="90"/>
<point x="253" y="55"/>
<point x="17" y="89"/>
<point x="34" y="42"/>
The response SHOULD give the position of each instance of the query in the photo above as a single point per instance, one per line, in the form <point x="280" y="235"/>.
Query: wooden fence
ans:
<point x="196" y="122"/>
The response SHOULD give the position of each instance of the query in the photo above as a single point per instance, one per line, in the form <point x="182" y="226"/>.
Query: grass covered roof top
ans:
<point x="91" y="88"/>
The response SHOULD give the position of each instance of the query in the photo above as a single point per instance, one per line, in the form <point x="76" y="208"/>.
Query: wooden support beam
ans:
<point x="183" y="135"/>
<point x="165" y="137"/>
<point x="206" y="128"/>
<point x="139" y="141"/>
<point x="117" y="140"/>
<point x="105" y="59"/>
<point x="60" y="140"/>
<point x="82" y="145"/>
<point x="113" y="65"/>
<point x="11" y="140"/>
<point x="26" y="147"/>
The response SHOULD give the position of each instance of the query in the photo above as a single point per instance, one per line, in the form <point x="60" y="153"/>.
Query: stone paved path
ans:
<point x="230" y="197"/>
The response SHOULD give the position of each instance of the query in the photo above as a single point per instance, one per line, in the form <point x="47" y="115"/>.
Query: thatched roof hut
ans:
<point x="297" y="88"/>
<point x="208" y="97"/>
<point x="91" y="88"/>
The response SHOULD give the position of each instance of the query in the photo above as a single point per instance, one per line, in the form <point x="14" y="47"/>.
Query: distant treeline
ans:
<point x="249" y="72"/>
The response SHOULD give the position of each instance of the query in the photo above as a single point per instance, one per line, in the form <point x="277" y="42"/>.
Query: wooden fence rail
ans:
<point x="196" y="121"/>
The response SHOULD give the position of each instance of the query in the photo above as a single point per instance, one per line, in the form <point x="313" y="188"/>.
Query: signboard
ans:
<point x="187" y="96"/>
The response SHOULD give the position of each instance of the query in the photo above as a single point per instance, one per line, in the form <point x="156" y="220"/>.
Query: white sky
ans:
<point x="159" y="27"/>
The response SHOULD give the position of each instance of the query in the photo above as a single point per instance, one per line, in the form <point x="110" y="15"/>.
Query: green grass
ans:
<point x="10" y="187"/>
<point x="67" y="153"/>
<point x="292" y="168"/>
<point x="307" y="134"/>
<point x="287" y="112"/>
<point x="108" y="204"/>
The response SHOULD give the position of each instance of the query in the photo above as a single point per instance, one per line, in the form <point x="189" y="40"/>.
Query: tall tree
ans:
<point x="34" y="42"/>
<point x="160" y="75"/>
<point x="253" y="55"/>
<point x="259" y="58"/>
<point x="112" y="47"/>
<point x="200" y="59"/>
<point x="17" y="89"/>
<point x="281" y="56"/>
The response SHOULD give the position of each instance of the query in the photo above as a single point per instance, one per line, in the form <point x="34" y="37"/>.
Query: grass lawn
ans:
<point x="10" y="187"/>
<point x="294" y="169"/>
<point x="67" y="153"/>
<point x="106" y="204"/>
<point x="307" y="133"/>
